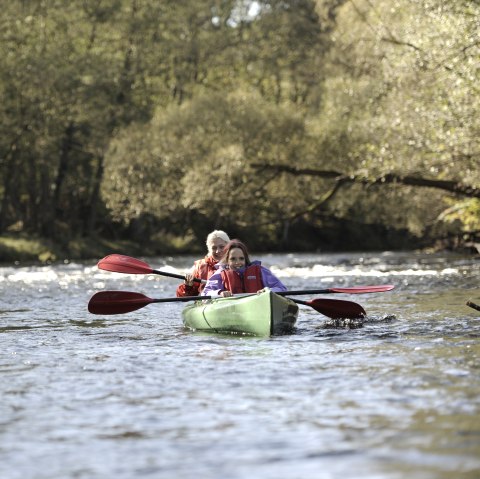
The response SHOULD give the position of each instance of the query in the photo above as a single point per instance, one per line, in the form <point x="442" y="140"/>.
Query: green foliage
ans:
<point x="405" y="86"/>
<point x="466" y="213"/>
<point x="403" y="90"/>
<point x="165" y="109"/>
<point x="206" y="146"/>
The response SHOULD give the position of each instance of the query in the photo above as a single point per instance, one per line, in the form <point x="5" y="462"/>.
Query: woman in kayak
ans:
<point x="237" y="274"/>
<point x="204" y="268"/>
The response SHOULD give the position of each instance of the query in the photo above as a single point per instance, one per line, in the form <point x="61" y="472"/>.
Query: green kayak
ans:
<point x="260" y="314"/>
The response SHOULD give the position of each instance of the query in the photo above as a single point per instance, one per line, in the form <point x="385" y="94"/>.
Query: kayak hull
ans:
<point x="259" y="314"/>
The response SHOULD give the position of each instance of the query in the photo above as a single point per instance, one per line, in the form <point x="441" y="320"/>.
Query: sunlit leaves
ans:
<point x="181" y="98"/>
<point x="403" y="86"/>
<point x="199" y="155"/>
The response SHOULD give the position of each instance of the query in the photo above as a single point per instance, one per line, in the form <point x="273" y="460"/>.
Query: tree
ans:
<point x="197" y="158"/>
<point x="390" y="109"/>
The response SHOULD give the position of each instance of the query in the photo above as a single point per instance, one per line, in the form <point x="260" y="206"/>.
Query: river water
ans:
<point x="138" y="396"/>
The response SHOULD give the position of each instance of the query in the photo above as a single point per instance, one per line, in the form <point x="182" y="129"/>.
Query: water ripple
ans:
<point x="137" y="395"/>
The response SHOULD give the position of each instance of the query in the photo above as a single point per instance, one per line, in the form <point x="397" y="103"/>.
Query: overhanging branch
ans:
<point x="390" y="178"/>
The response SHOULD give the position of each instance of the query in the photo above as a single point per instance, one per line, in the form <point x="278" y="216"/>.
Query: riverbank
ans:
<point x="22" y="249"/>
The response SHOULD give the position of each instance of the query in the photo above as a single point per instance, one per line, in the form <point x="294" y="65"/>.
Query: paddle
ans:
<point x="125" y="264"/>
<point x="353" y="290"/>
<point x="334" y="308"/>
<point x="119" y="263"/>
<point x="120" y="302"/>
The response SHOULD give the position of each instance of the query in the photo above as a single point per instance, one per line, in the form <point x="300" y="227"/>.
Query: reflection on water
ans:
<point x="137" y="395"/>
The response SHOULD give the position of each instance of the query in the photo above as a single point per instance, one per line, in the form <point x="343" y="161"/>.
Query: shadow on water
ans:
<point x="95" y="323"/>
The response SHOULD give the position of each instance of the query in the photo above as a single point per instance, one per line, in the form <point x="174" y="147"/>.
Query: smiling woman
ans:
<point x="238" y="274"/>
<point x="205" y="267"/>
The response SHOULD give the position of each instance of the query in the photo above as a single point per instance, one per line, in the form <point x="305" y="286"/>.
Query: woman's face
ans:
<point x="236" y="259"/>
<point x="215" y="249"/>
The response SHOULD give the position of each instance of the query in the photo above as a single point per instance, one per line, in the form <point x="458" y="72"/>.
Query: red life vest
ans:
<point x="203" y="269"/>
<point x="251" y="282"/>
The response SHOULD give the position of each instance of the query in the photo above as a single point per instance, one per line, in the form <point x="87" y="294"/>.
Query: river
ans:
<point x="138" y="396"/>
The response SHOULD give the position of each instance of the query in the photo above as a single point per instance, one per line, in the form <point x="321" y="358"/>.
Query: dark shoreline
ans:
<point x="22" y="251"/>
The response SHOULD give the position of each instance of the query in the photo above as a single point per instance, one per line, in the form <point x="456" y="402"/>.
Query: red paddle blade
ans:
<point x="119" y="263"/>
<point x="337" y="309"/>
<point x="117" y="302"/>
<point x="363" y="289"/>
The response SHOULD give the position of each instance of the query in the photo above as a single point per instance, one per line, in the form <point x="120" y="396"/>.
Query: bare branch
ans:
<point x="451" y="186"/>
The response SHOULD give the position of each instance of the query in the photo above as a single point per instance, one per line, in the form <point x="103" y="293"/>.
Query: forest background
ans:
<point x="138" y="126"/>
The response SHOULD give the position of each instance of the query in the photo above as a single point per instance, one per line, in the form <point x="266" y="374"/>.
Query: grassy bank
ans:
<point x="23" y="249"/>
<point x="27" y="250"/>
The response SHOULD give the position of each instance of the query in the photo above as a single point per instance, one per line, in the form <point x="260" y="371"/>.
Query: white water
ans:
<point x="136" y="395"/>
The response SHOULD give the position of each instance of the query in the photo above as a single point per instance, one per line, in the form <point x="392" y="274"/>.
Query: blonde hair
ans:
<point x="217" y="234"/>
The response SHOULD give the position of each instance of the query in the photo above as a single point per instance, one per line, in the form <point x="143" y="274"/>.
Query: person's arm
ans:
<point x="187" y="290"/>
<point x="271" y="281"/>
<point x="189" y="287"/>
<point x="214" y="286"/>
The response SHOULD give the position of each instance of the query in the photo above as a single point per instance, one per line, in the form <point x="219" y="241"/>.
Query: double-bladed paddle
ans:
<point x="118" y="263"/>
<point x="119" y="302"/>
<point x="334" y="308"/>
<point x="353" y="290"/>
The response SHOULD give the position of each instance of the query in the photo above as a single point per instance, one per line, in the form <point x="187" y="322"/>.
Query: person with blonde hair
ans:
<point x="205" y="267"/>
<point x="236" y="273"/>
